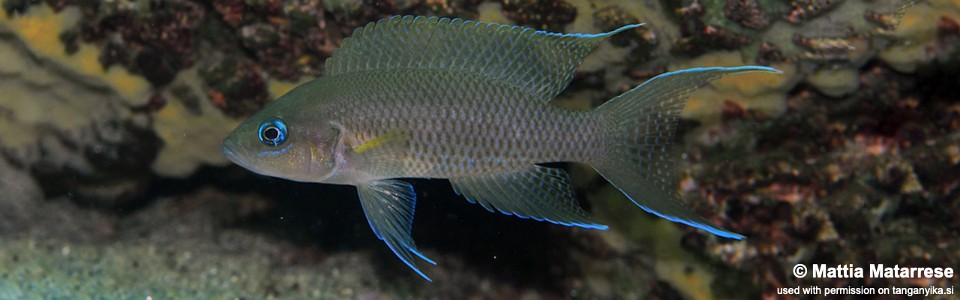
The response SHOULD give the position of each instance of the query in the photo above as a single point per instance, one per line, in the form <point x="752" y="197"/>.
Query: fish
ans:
<point x="427" y="97"/>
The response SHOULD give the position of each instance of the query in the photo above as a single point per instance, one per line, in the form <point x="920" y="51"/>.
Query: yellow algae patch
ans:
<point x="691" y="280"/>
<point x="835" y="83"/>
<point x="762" y="92"/>
<point x="648" y="12"/>
<point x="918" y="23"/>
<point x="954" y="4"/>
<point x="748" y="84"/>
<point x="189" y="139"/>
<point x="706" y="105"/>
<point x="918" y="30"/>
<point x="15" y="131"/>
<point x="679" y="267"/>
<point x="492" y="12"/>
<point x="277" y="88"/>
<point x="34" y="94"/>
<point x="905" y="58"/>
<point x="675" y="265"/>
<point x="40" y="29"/>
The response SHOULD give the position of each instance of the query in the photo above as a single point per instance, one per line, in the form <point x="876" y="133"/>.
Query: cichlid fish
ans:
<point x="410" y="97"/>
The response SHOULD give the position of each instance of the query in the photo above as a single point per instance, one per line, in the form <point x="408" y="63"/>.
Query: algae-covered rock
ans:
<point x="829" y="175"/>
<point x="66" y="123"/>
<point x="112" y="184"/>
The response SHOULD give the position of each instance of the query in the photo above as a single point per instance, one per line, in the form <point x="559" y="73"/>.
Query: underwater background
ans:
<point x="112" y="184"/>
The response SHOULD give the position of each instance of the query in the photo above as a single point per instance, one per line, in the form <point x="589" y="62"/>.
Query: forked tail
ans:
<point x="640" y="127"/>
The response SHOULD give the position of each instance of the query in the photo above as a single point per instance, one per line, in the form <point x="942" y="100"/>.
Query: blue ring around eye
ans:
<point x="272" y="132"/>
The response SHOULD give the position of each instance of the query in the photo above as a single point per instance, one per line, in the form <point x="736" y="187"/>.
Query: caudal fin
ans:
<point x="640" y="127"/>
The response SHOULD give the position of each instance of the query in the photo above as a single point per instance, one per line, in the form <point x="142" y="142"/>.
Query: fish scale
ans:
<point x="418" y="97"/>
<point x="537" y="133"/>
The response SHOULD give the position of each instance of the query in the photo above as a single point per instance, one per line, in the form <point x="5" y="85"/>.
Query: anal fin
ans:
<point x="389" y="206"/>
<point x="539" y="193"/>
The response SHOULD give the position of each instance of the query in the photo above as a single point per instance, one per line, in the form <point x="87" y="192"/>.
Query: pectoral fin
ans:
<point x="389" y="207"/>
<point x="539" y="193"/>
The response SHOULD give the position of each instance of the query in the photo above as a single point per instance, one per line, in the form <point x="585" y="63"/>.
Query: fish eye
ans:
<point x="273" y="132"/>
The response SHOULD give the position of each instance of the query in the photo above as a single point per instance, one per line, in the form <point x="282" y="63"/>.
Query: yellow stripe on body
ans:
<point x="389" y="137"/>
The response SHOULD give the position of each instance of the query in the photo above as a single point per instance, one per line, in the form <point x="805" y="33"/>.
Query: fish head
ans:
<point x="284" y="145"/>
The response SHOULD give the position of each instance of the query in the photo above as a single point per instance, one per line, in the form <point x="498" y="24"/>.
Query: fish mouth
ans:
<point x="227" y="149"/>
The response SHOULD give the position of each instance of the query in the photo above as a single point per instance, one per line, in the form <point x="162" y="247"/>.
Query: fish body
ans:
<point x="415" y="97"/>
<point x="422" y="129"/>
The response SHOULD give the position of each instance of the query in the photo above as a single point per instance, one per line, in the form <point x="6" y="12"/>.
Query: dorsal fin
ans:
<point x="539" y="62"/>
